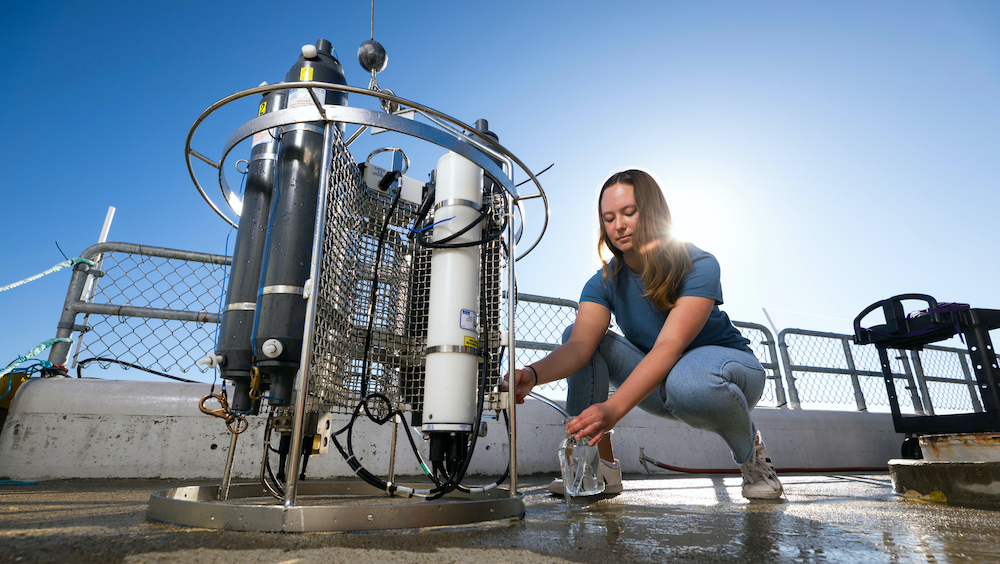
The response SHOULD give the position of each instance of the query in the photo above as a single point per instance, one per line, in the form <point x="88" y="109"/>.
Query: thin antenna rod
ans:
<point x="373" y="20"/>
<point x="771" y="323"/>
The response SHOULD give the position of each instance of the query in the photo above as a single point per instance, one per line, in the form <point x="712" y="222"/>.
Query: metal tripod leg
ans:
<point x="224" y="488"/>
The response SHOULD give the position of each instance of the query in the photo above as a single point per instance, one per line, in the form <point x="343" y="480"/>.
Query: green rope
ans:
<point x="41" y="347"/>
<point x="60" y="266"/>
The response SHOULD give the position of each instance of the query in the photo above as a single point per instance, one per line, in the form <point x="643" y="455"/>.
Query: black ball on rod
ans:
<point x="372" y="56"/>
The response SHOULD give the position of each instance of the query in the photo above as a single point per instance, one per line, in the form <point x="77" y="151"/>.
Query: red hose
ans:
<point x="644" y="458"/>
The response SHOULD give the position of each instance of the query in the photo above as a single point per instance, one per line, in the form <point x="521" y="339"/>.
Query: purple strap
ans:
<point x="942" y="307"/>
<point x="951" y="307"/>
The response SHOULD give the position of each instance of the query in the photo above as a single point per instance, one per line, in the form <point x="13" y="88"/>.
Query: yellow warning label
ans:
<point x="306" y="73"/>
<point x="262" y="109"/>
<point x="472" y="342"/>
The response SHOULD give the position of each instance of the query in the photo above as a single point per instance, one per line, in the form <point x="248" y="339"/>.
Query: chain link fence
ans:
<point x="763" y="346"/>
<point x="540" y="322"/>
<point x="148" y="306"/>
<point x="828" y="371"/>
<point x="158" y="308"/>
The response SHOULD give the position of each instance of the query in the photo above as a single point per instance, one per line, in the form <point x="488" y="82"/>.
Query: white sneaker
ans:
<point x="759" y="479"/>
<point x="611" y="472"/>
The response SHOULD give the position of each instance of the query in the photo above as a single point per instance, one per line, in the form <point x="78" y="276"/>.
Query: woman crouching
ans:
<point x="680" y="358"/>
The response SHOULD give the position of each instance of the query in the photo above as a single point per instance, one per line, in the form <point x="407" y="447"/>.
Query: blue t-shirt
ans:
<point x="641" y="321"/>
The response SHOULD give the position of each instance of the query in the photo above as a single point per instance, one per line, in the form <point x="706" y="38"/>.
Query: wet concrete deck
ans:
<point x="677" y="518"/>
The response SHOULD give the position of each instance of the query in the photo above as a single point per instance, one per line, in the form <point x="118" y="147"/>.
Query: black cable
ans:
<point x="506" y="472"/>
<point x="536" y="176"/>
<point x="79" y="365"/>
<point x="373" y="299"/>
<point x="348" y="454"/>
<point x="482" y="215"/>
<point x="61" y="251"/>
<point x="443" y="243"/>
<point x="455" y="481"/>
<point x="452" y="481"/>
<point x="274" y="489"/>
<point x="352" y="460"/>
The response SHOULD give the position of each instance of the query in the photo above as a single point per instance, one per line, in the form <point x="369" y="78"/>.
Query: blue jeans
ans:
<point x="712" y="388"/>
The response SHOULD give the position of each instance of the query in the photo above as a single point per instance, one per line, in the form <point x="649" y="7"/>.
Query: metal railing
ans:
<point x="149" y="306"/>
<point x="158" y="308"/>
<point x="827" y="370"/>
<point x="541" y="320"/>
<point x="764" y="347"/>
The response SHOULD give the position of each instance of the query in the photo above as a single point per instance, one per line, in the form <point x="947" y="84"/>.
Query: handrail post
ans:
<point x="918" y="369"/>
<point x="793" y="393"/>
<point x="772" y="364"/>
<point x="59" y="353"/>
<point x="779" y="388"/>
<point x="859" y="395"/>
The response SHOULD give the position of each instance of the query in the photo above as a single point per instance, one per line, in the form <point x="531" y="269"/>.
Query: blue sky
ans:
<point x="829" y="154"/>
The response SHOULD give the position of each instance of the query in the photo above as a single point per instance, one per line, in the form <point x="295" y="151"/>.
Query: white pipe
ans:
<point x="102" y="239"/>
<point x="452" y="375"/>
<point x="87" y="294"/>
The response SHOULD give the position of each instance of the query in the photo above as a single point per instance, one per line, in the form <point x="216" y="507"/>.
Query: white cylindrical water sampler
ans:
<point x="452" y="338"/>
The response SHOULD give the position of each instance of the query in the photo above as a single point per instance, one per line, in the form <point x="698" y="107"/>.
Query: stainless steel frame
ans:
<point x="330" y="506"/>
<point x="477" y="148"/>
<point x="224" y="506"/>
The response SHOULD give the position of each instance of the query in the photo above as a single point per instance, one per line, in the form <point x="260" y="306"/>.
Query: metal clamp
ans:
<point x="279" y="289"/>
<point x="91" y="270"/>
<point x="264" y="157"/>
<point x="456" y="202"/>
<point x="241" y="306"/>
<point x="300" y="127"/>
<point x="452" y="348"/>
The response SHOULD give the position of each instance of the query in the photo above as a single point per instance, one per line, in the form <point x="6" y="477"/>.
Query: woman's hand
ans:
<point x="595" y="421"/>
<point x="524" y="380"/>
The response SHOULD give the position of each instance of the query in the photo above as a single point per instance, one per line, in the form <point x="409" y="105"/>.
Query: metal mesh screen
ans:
<point x="829" y="371"/>
<point x="144" y="281"/>
<point x="872" y="381"/>
<point x="950" y="384"/>
<point x="540" y="322"/>
<point x="349" y="361"/>
<point x="823" y="366"/>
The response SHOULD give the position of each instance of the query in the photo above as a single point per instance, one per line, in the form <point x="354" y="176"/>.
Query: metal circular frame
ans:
<point x="471" y="147"/>
<point x="406" y="160"/>
<point x="246" y="509"/>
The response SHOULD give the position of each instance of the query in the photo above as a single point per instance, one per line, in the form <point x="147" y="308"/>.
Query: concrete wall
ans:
<point x="71" y="428"/>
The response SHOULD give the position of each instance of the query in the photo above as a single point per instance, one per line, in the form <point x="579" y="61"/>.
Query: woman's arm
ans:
<point x="683" y="324"/>
<point x="592" y="322"/>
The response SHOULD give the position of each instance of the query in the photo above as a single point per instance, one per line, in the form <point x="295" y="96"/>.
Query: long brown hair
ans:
<point x="664" y="260"/>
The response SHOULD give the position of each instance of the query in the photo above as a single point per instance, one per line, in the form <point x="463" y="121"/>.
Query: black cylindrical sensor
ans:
<point x="235" y="342"/>
<point x="280" y="305"/>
